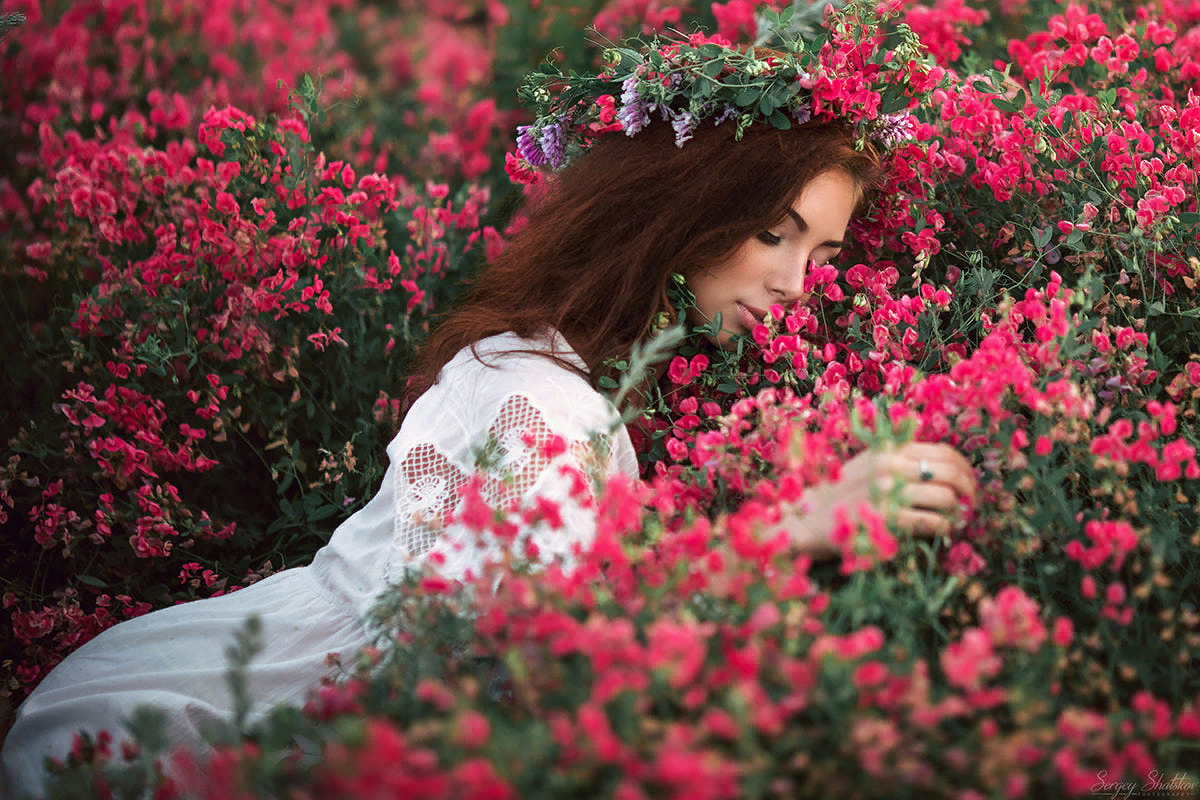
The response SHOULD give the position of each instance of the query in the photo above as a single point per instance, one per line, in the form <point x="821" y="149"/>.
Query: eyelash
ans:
<point x="766" y="237"/>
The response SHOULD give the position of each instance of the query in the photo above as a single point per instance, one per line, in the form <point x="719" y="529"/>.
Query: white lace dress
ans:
<point x="175" y="658"/>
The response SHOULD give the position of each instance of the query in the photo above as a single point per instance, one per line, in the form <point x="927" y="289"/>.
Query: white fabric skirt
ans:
<point x="175" y="659"/>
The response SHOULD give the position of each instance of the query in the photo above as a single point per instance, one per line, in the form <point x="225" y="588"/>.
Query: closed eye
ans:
<point x="768" y="238"/>
<point x="802" y="227"/>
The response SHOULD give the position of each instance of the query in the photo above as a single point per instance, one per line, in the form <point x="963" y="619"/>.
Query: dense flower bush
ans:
<point x="214" y="284"/>
<point x="206" y="287"/>
<point x="175" y="286"/>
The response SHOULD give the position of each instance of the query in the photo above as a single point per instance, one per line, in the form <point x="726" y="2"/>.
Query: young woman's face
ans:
<point x="769" y="268"/>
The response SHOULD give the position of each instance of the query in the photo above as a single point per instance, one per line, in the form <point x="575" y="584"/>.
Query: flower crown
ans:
<point x="844" y="72"/>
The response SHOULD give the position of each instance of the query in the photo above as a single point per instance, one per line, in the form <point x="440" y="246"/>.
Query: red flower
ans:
<point x="970" y="660"/>
<point x="471" y="730"/>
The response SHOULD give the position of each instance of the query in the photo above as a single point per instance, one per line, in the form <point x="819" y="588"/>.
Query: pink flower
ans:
<point x="678" y="371"/>
<point x="870" y="674"/>
<point x="970" y="660"/>
<point x="1115" y="594"/>
<point x="226" y="204"/>
<point x="735" y="20"/>
<point x="963" y="559"/>
<point x="39" y="251"/>
<point x="520" y="171"/>
<point x="435" y="693"/>
<point x="1011" y="618"/>
<point x="471" y="730"/>
<point x="1064" y="631"/>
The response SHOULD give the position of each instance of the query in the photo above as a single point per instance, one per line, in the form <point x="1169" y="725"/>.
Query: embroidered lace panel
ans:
<point x="511" y="459"/>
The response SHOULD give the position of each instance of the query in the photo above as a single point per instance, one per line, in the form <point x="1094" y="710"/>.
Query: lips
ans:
<point x="750" y="316"/>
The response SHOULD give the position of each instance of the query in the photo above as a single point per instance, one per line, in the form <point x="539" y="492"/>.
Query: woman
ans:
<point x="740" y="212"/>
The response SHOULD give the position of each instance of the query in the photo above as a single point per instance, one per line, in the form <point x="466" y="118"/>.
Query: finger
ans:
<point x="924" y="523"/>
<point x="956" y="458"/>
<point x="884" y="469"/>
<point x="931" y="496"/>
<point x="937" y="451"/>
<point x="949" y="468"/>
<point x="963" y="484"/>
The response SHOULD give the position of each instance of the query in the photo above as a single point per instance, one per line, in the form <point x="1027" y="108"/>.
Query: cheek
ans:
<point x="752" y="269"/>
<point x="706" y="289"/>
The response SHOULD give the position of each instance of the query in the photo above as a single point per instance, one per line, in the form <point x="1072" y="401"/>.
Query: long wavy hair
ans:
<point x="596" y="259"/>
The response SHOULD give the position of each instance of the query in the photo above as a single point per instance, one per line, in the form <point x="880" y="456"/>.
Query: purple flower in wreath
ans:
<point x="634" y="112"/>
<point x="629" y="92"/>
<point x="802" y="113"/>
<point x="730" y="112"/>
<point x="554" y="142"/>
<point x="529" y="148"/>
<point x="892" y="129"/>
<point x="684" y="124"/>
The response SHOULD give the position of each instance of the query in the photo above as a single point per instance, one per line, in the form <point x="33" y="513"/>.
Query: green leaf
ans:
<point x="714" y="327"/>
<point x="780" y="93"/>
<point x="88" y="580"/>
<point x="1017" y="102"/>
<point x="747" y="97"/>
<point x="780" y="120"/>
<point x="605" y="382"/>
<point x="324" y="512"/>
<point x="893" y="100"/>
<point x="935" y="603"/>
<point x="1041" y="236"/>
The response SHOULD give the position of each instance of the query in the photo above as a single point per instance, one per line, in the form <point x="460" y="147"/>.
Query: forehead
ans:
<point x="831" y="184"/>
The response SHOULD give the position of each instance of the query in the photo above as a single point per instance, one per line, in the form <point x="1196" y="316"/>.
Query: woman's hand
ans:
<point x="930" y="504"/>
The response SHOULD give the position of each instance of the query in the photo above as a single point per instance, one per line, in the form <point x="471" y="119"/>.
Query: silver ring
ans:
<point x="926" y="472"/>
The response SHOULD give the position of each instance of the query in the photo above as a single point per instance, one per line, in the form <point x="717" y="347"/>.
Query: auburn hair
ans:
<point x="596" y="259"/>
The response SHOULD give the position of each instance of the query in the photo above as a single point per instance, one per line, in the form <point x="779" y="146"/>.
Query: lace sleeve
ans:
<point x="520" y="465"/>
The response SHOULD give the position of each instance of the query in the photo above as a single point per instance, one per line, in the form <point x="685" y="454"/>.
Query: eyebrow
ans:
<point x="802" y="226"/>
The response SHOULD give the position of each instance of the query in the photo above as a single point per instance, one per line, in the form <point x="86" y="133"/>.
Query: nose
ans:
<point x="787" y="283"/>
